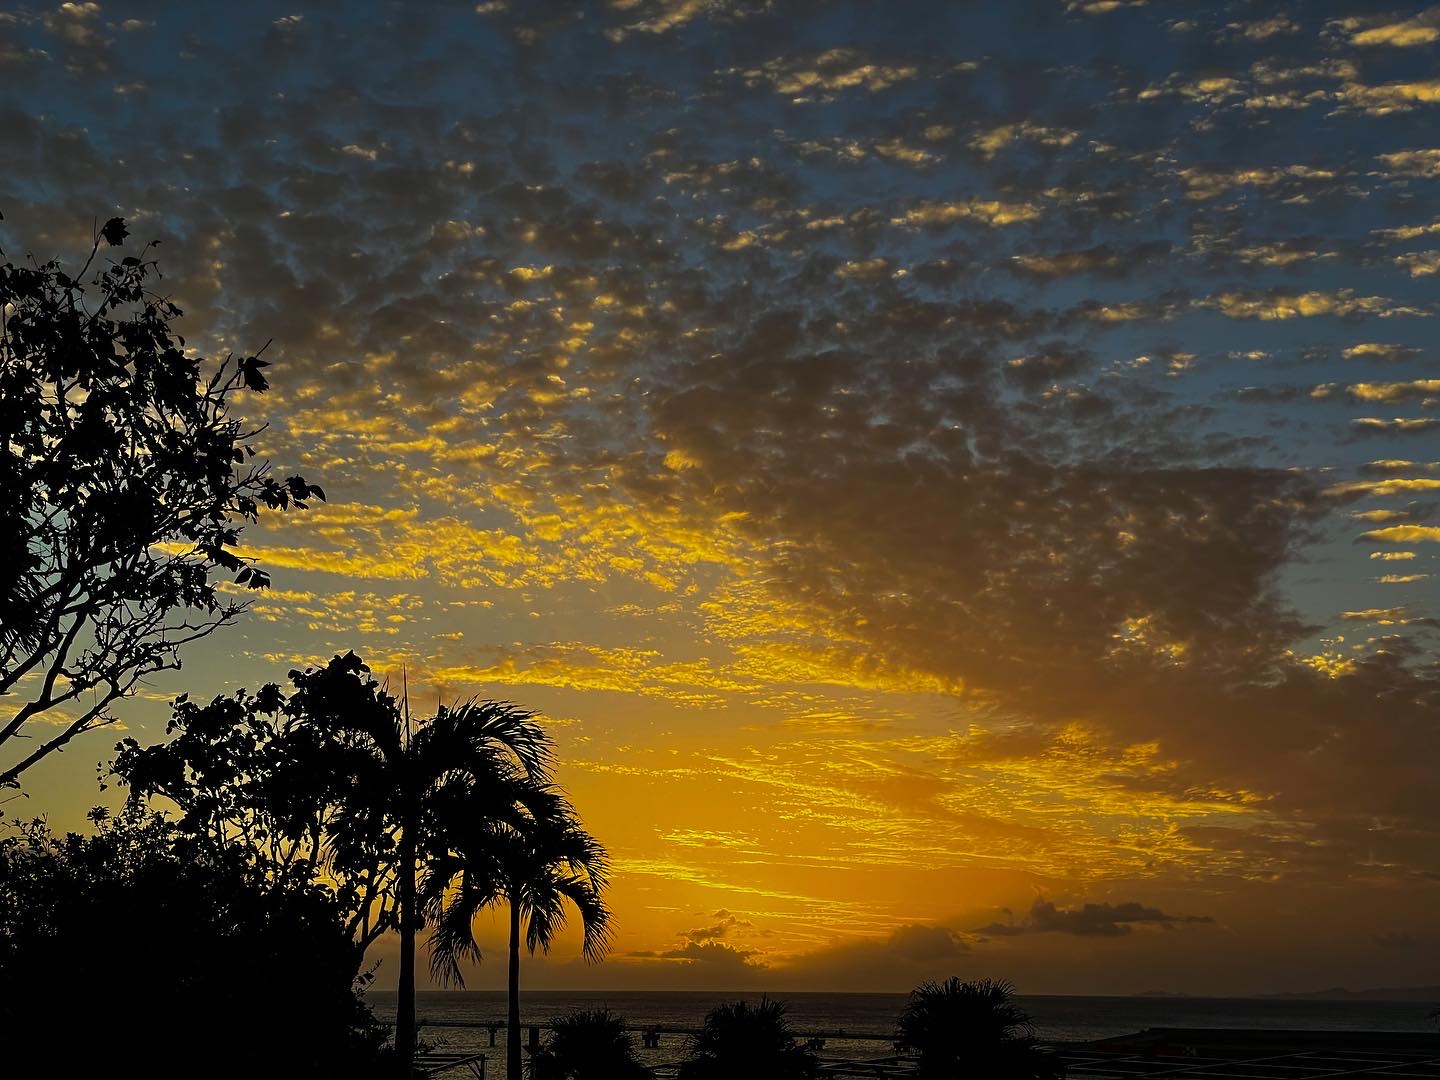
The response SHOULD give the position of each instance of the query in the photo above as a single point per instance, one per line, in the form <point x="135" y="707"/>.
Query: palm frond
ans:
<point x="594" y="916"/>
<point x="468" y="732"/>
<point x="452" y="941"/>
<point x="545" y="917"/>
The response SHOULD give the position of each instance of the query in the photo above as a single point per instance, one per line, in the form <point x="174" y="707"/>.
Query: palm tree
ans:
<point x="972" y="1028"/>
<point x="541" y="864"/>
<point x="588" y="1046"/>
<point x="751" y="1041"/>
<point x="411" y="788"/>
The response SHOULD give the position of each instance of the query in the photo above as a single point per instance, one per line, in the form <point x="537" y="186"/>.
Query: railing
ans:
<point x="656" y="1030"/>
<point x="874" y="1069"/>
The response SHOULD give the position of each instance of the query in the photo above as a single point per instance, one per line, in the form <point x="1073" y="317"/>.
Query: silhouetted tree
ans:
<point x="123" y="483"/>
<point x="750" y="1041"/>
<point x="133" y="952"/>
<point x="587" y="1046"/>
<point x="256" y="778"/>
<point x="541" y="868"/>
<point x="352" y="785"/>
<point x="960" y="1029"/>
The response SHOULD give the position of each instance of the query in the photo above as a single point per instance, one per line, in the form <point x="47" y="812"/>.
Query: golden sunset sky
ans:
<point x="958" y="479"/>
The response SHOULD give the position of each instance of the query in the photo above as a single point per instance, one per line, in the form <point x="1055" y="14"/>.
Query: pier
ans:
<point x="650" y="1033"/>
<point x="1153" y="1054"/>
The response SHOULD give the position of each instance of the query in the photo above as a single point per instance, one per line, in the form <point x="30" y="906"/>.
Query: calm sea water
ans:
<point x="1056" y="1018"/>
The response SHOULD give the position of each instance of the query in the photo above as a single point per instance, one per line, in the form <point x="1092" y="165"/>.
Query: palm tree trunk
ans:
<point x="405" y="990"/>
<point x="512" y="1043"/>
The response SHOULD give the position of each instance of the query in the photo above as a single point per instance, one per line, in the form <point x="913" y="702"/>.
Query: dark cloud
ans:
<point x="1378" y="426"/>
<point x="1271" y="394"/>
<point x="716" y="956"/>
<point x="702" y="947"/>
<point x="724" y="924"/>
<point x="928" y="943"/>
<point x="1102" y="261"/>
<point x="1051" y="362"/>
<point x="1088" y="920"/>
<point x="908" y="955"/>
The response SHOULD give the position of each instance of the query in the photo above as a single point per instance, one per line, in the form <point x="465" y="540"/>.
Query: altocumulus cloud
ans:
<point x="863" y="369"/>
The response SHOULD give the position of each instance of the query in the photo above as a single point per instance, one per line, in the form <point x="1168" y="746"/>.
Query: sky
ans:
<point x="958" y="479"/>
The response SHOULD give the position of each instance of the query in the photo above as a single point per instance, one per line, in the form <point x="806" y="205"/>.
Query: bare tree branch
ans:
<point x="124" y="487"/>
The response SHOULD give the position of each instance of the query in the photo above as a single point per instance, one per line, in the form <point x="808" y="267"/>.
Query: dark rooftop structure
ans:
<point x="1236" y="1054"/>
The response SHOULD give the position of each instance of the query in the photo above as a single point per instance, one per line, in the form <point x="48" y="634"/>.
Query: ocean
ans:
<point x="1056" y="1018"/>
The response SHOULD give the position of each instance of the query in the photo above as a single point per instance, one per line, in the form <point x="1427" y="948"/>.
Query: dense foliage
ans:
<point x="972" y="1029"/>
<point x="124" y="482"/>
<point x="750" y="1041"/>
<point x="338" y="776"/>
<point x="134" y="952"/>
<point x="587" y="1046"/>
<point x="272" y="779"/>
